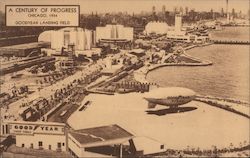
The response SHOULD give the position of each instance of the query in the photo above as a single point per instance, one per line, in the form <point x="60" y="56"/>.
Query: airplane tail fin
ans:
<point x="151" y="105"/>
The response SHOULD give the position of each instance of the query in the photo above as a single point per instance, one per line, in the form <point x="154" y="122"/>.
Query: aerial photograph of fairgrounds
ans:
<point x="142" y="78"/>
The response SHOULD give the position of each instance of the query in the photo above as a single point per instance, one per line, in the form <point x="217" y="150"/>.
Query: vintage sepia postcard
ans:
<point x="124" y="78"/>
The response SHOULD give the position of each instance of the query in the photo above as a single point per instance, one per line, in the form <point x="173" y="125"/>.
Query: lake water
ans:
<point x="232" y="33"/>
<point x="228" y="76"/>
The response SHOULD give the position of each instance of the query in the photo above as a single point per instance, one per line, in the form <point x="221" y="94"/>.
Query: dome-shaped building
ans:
<point x="156" y="27"/>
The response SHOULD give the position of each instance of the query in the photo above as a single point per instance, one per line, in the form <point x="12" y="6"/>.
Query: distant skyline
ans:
<point x="137" y="6"/>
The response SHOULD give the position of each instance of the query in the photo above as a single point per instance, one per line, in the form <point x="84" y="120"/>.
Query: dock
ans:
<point x="231" y="42"/>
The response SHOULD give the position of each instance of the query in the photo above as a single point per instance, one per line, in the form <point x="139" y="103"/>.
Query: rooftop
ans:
<point x="36" y="123"/>
<point x="148" y="145"/>
<point x="137" y="51"/>
<point x="25" y="45"/>
<point x="128" y="111"/>
<point x="100" y="134"/>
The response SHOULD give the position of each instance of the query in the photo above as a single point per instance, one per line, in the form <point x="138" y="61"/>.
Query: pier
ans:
<point x="235" y="106"/>
<point x="230" y="42"/>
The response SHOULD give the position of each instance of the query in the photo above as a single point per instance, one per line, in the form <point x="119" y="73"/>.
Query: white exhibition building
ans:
<point x="82" y="41"/>
<point x="176" y="33"/>
<point x="114" y="32"/>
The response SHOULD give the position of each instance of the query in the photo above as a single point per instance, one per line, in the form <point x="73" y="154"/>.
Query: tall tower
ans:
<point x="212" y="13"/>
<point x="178" y="23"/>
<point x="181" y="10"/>
<point x="222" y="12"/>
<point x="175" y="10"/>
<point x="233" y="13"/>
<point x="163" y="9"/>
<point x="227" y="11"/>
<point x="248" y="14"/>
<point x="186" y="10"/>
<point x="164" y="12"/>
<point x="153" y="10"/>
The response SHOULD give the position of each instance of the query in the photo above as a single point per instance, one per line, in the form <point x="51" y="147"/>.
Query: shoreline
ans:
<point x="141" y="74"/>
<point x="212" y="100"/>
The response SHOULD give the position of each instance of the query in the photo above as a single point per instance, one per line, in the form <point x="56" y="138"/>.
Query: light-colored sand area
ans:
<point x="202" y="127"/>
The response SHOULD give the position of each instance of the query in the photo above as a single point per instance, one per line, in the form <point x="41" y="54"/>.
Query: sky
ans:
<point x="136" y="6"/>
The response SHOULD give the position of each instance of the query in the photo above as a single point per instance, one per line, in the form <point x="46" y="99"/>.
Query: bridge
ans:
<point x="230" y="42"/>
